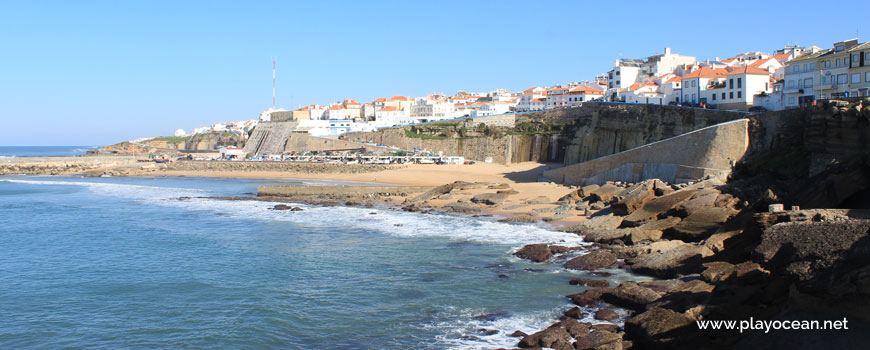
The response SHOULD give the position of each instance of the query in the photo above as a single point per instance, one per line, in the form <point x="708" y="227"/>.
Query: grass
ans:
<point x="411" y="134"/>
<point x="170" y="139"/>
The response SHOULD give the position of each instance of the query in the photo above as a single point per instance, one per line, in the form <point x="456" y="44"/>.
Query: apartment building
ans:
<point x="799" y="78"/>
<point x="833" y="72"/>
<point x="859" y="71"/>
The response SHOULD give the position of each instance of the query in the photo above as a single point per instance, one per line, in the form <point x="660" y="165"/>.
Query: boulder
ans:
<point x="489" y="198"/>
<point x="508" y="192"/>
<point x="587" y="297"/>
<point x="599" y="340"/>
<point x="661" y="224"/>
<point x="522" y="219"/>
<point x="606" y="194"/>
<point x="461" y="208"/>
<point x="606" y="236"/>
<point x="702" y="223"/>
<point x="589" y="282"/>
<point x="818" y="256"/>
<point x="518" y="334"/>
<point x="599" y="223"/>
<point x="640" y="235"/>
<point x="657" y="207"/>
<point x="435" y="192"/>
<point x="634" y="197"/>
<point x="534" y="252"/>
<point x="661" y="188"/>
<point x="545" y="338"/>
<point x="575" y="328"/>
<point x="571" y="197"/>
<point x="606" y="315"/>
<point x="674" y="257"/>
<point x="659" y="326"/>
<point x="630" y="295"/>
<point x="685" y="296"/>
<point x="744" y="273"/>
<point x="539" y="200"/>
<point x="610" y="327"/>
<point x="574" y="312"/>
<point x="499" y="186"/>
<point x="593" y="260"/>
<point x="558" y="249"/>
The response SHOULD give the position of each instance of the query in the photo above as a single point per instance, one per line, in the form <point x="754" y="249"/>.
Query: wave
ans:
<point x="389" y="221"/>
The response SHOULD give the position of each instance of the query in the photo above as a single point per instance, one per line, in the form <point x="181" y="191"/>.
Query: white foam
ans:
<point x="461" y="331"/>
<point x="392" y="222"/>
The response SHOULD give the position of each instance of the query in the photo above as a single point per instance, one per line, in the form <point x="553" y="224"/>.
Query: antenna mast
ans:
<point x="273" y="82"/>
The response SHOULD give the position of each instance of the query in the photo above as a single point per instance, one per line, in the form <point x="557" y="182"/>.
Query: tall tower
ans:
<point x="273" y="82"/>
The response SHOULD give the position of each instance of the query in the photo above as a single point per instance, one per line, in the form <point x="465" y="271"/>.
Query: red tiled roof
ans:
<point x="388" y="109"/>
<point x="399" y="98"/>
<point x="706" y="72"/>
<point x="782" y="56"/>
<point x="380" y="100"/>
<point x="584" y="90"/>
<point x="746" y="70"/>
<point x="336" y="107"/>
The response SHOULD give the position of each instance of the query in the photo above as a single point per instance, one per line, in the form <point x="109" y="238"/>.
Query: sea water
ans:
<point x="44" y="151"/>
<point x="146" y="262"/>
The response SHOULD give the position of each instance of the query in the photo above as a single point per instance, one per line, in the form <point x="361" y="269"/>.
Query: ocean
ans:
<point x="108" y="263"/>
<point x="44" y="151"/>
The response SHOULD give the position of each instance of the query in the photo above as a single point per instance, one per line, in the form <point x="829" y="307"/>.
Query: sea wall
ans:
<point x="270" y="137"/>
<point x="709" y="151"/>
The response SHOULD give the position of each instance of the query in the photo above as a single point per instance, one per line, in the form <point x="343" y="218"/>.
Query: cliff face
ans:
<point x="569" y="135"/>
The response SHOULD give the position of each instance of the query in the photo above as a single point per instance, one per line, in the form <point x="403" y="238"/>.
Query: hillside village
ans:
<point x="790" y="77"/>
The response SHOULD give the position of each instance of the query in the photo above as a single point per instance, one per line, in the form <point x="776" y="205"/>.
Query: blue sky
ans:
<point x="92" y="73"/>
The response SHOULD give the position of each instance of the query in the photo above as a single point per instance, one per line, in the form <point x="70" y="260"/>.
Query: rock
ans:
<point x="610" y="327"/>
<point x="557" y="216"/>
<point x="676" y="257"/>
<point x="500" y="186"/>
<point x="485" y="331"/>
<point x="571" y="197"/>
<point x="587" y="297"/>
<point x="658" y="206"/>
<point x="685" y="296"/>
<point x="658" y="326"/>
<point x="545" y="338"/>
<point x="606" y="315"/>
<point x="296" y="209"/>
<point x="520" y="219"/>
<point x="435" y="192"/>
<point x="599" y="223"/>
<point x="591" y="261"/>
<point x="818" y="256"/>
<point x="702" y="223"/>
<point x="589" y="282"/>
<point x="562" y="345"/>
<point x="634" y="198"/>
<point x="518" y="334"/>
<point x="661" y="224"/>
<point x="489" y="198"/>
<point x="281" y="207"/>
<point x="558" y="249"/>
<point x="639" y="235"/>
<point x="630" y="295"/>
<point x="606" y="236"/>
<point x="534" y="252"/>
<point x="575" y="312"/>
<point x="539" y="200"/>
<point x="509" y="192"/>
<point x="575" y="328"/>
<point x="599" y="340"/>
<point x="605" y="194"/>
<point x="744" y="273"/>
<point x="411" y="208"/>
<point x="461" y="208"/>
<point x="661" y="188"/>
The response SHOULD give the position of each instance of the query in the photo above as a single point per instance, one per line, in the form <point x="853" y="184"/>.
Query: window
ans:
<point x="827" y="64"/>
<point x="714" y="97"/>
<point x="791" y="84"/>
<point x="739" y="83"/>
<point x="856" y="78"/>
<point x="739" y="94"/>
<point x="867" y="58"/>
<point x="841" y="47"/>
<point x="731" y="95"/>
<point x="824" y="80"/>
<point x="730" y="83"/>
<point x="836" y="63"/>
<point x="797" y="68"/>
<point x="617" y="73"/>
<point x="812" y="66"/>
<point x="855" y="58"/>
<point x="808" y="82"/>
<point x="693" y="97"/>
<point x="686" y="98"/>
<point x="841" y="79"/>
<point x="723" y="95"/>
<point x="867" y="77"/>
<point x="791" y="100"/>
<point x="617" y="83"/>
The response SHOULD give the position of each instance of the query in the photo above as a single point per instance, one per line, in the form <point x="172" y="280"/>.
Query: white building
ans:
<point x="391" y="116"/>
<point x="800" y="78"/>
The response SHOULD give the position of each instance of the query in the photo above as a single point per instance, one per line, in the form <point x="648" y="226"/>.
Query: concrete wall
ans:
<point x="270" y="137"/>
<point x="709" y="151"/>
